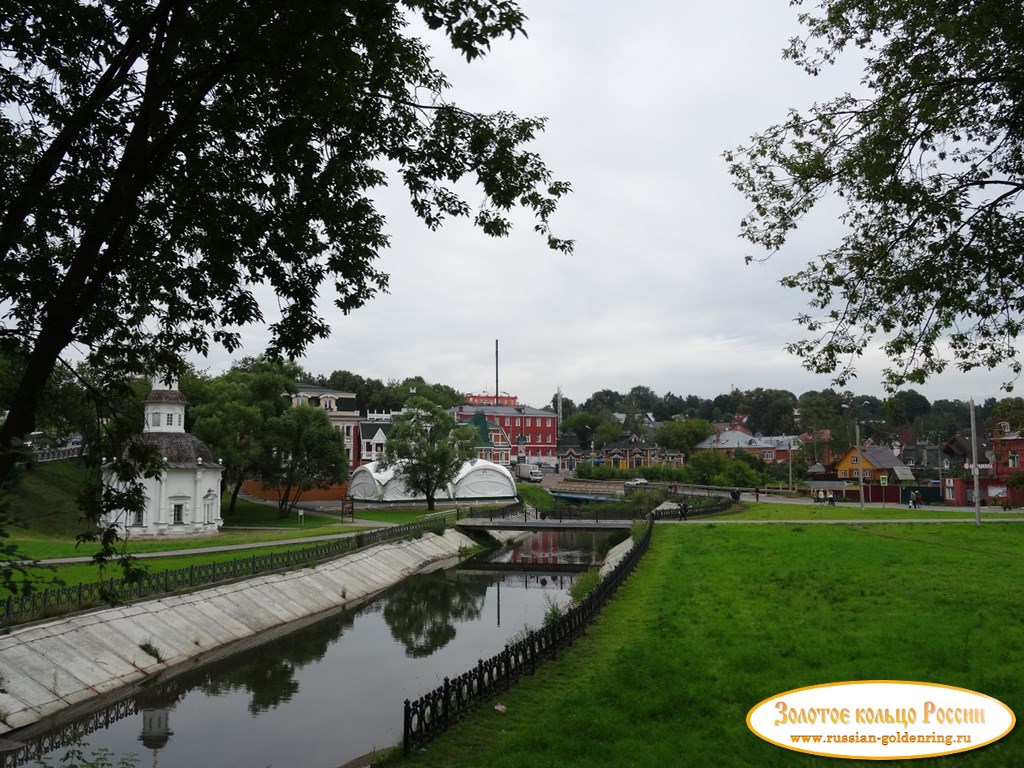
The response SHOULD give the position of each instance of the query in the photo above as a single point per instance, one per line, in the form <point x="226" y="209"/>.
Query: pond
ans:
<point x="333" y="690"/>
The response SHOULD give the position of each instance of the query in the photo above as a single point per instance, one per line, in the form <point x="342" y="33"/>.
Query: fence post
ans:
<point x="447" y="702"/>
<point x="406" y="728"/>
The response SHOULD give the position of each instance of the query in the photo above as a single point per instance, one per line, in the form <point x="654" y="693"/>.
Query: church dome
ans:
<point x="182" y="450"/>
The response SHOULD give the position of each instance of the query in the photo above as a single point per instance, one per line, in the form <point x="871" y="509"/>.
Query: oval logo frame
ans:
<point x="881" y="720"/>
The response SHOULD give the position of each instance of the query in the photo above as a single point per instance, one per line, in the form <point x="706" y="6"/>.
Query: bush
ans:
<point x="584" y="585"/>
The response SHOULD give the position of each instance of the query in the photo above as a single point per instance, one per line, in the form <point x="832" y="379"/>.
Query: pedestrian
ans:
<point x="918" y="499"/>
<point x="820" y="499"/>
<point x="683" y="509"/>
<point x="757" y="494"/>
<point x="831" y="498"/>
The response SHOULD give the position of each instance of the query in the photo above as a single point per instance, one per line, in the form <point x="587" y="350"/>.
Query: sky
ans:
<point x="642" y="99"/>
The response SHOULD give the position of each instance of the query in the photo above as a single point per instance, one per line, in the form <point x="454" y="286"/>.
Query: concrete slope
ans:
<point x="50" y="666"/>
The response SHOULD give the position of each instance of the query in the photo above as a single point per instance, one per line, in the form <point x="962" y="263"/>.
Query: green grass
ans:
<point x="49" y="577"/>
<point x="536" y="496"/>
<point x="717" y="618"/>
<point x="751" y="510"/>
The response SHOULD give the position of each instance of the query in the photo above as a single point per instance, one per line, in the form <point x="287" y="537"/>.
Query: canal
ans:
<point x="331" y="691"/>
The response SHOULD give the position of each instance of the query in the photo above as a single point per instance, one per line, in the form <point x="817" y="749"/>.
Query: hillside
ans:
<point x="45" y="498"/>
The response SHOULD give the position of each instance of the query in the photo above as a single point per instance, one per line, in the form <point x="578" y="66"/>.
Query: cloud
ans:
<point x="641" y="100"/>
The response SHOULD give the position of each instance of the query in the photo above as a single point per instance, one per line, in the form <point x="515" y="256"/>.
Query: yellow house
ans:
<point x="875" y="462"/>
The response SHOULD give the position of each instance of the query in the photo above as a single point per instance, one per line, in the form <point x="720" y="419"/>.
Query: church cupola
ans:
<point x="165" y="407"/>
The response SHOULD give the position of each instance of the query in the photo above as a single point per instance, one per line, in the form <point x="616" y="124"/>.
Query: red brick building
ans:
<point x="531" y="432"/>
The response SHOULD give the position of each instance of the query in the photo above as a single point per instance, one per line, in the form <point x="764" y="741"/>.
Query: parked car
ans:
<point x="636" y="482"/>
<point x="546" y="466"/>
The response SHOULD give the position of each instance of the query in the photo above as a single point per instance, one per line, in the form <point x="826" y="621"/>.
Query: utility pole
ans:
<point x="860" y="456"/>
<point x="974" y="468"/>
<point x="860" y="460"/>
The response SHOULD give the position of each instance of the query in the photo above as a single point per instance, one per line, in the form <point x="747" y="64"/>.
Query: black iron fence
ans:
<point x="441" y="708"/>
<point x="65" y="599"/>
<point x="695" y="504"/>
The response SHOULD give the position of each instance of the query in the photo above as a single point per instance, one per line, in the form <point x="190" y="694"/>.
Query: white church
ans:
<point x="184" y="500"/>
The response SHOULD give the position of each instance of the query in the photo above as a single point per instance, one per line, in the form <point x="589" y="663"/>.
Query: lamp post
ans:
<point x="790" y="454"/>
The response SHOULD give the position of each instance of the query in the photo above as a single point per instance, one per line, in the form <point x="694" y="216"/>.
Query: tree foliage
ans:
<point x="683" y="434"/>
<point x="427" y="448"/>
<point x="928" y="164"/>
<point x="231" y="414"/>
<point x="301" y="450"/>
<point x="162" y="159"/>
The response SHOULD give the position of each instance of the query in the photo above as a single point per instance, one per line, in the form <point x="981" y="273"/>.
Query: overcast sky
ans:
<point x="641" y="98"/>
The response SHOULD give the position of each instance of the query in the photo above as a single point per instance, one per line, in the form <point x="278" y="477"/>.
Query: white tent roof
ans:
<point x="478" y="479"/>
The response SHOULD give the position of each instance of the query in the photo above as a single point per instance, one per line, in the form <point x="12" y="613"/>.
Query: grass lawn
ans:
<point x="717" y="618"/>
<point x="752" y="510"/>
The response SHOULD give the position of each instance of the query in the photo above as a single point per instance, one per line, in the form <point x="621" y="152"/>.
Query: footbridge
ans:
<point x="535" y="523"/>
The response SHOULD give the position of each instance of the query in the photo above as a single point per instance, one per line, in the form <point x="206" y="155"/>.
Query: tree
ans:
<point x="929" y="166"/>
<point x="607" y="431"/>
<point x="231" y="413"/>
<point x="906" y="407"/>
<point x="301" y="450"/>
<point x="683" y="434"/>
<point x="1010" y="410"/>
<point x="427" y="448"/>
<point x="161" y="159"/>
<point x="582" y="424"/>
<point x="769" y="411"/>
<point x="606" y="400"/>
<point x="568" y="406"/>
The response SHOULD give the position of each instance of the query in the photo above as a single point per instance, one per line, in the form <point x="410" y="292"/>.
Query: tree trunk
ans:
<point x="234" y="498"/>
<point x="21" y="419"/>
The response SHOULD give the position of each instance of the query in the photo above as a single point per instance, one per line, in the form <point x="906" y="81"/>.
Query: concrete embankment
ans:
<point x="615" y="554"/>
<point x="65" y="664"/>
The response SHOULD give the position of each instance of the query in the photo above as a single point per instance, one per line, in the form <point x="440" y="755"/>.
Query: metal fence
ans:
<point x="696" y="506"/>
<point x="65" y="599"/>
<point x="59" y="454"/>
<point x="441" y="708"/>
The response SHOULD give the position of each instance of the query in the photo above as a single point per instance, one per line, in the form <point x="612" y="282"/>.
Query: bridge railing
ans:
<point x="436" y="711"/>
<point x="698" y="506"/>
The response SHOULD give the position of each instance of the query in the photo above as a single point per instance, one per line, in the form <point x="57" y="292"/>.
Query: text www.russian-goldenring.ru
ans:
<point x="885" y="739"/>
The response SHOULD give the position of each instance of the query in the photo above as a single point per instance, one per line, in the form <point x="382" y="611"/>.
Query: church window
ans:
<point x="170" y="419"/>
<point x="179" y="514"/>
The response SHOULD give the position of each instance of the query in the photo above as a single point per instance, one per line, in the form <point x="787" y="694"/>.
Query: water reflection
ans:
<point x="268" y="677"/>
<point x="423" y="616"/>
<point x="331" y="690"/>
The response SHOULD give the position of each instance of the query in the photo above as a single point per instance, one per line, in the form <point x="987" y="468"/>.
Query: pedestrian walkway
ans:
<point x="362" y="525"/>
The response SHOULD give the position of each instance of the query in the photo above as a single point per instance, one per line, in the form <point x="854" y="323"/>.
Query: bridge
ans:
<point x="534" y="523"/>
